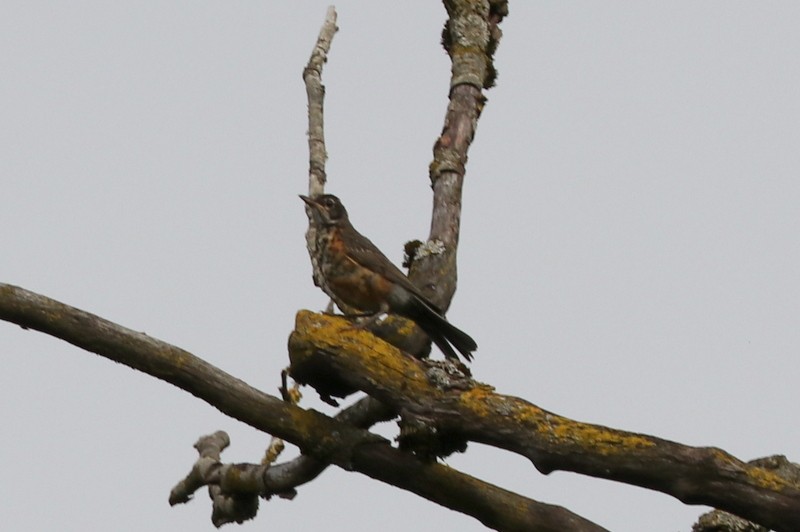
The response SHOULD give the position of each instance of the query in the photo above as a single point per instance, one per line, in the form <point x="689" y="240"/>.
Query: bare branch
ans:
<point x="453" y="409"/>
<point x="470" y="37"/>
<point x="208" y="471"/>
<point x="317" y="435"/>
<point x="233" y="397"/>
<point x="271" y="479"/>
<point x="315" y="92"/>
<point x="719" y="521"/>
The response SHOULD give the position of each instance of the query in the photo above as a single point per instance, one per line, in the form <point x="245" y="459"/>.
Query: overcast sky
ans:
<point x="629" y="252"/>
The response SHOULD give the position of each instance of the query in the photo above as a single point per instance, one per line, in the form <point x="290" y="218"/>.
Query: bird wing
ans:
<point x="367" y="254"/>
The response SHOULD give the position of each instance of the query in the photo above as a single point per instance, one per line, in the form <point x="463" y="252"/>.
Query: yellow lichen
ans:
<point x="602" y="439"/>
<point x="767" y="479"/>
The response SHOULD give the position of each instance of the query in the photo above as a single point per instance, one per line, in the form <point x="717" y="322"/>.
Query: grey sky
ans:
<point x="629" y="253"/>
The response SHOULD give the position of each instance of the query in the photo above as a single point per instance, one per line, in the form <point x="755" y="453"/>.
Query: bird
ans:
<point x="362" y="277"/>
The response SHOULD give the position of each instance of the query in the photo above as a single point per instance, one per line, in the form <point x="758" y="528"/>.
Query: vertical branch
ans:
<point x="470" y="37"/>
<point x="315" y="92"/>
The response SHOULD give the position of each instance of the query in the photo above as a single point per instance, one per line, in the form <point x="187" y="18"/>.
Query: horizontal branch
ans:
<point x="316" y="434"/>
<point x="460" y="408"/>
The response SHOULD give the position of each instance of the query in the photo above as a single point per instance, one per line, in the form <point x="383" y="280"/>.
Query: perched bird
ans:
<point x="361" y="276"/>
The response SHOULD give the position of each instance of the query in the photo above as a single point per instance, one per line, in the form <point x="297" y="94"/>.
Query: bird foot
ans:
<point x="371" y="319"/>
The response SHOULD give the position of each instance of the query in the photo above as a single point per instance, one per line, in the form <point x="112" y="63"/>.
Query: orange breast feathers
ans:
<point x="352" y="283"/>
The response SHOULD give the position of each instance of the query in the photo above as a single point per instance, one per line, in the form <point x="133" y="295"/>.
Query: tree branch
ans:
<point x="248" y="482"/>
<point x="307" y="429"/>
<point x="453" y="407"/>
<point x="317" y="435"/>
<point x="315" y="93"/>
<point x="470" y="37"/>
<point x="317" y="154"/>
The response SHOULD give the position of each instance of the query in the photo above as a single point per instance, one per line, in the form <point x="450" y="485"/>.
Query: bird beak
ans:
<point x="313" y="204"/>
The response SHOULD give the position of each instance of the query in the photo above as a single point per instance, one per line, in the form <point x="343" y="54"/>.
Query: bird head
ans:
<point x="328" y="207"/>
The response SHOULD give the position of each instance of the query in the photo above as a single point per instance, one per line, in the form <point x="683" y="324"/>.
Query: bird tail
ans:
<point x="443" y="333"/>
